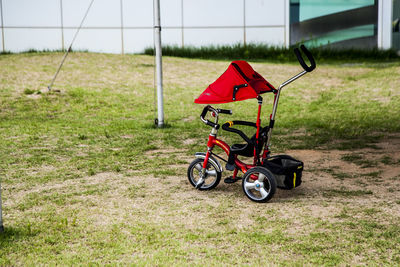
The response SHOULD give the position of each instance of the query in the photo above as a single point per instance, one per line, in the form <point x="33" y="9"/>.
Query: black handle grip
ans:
<point x="224" y="111"/>
<point x="301" y="60"/>
<point x="216" y="126"/>
<point x="205" y="110"/>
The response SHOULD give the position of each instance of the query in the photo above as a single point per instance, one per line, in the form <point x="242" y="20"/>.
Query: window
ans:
<point x="334" y="23"/>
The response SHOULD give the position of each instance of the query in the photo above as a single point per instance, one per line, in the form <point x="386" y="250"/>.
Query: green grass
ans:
<point x="28" y="91"/>
<point x="388" y="160"/>
<point x="35" y="51"/>
<point x="359" y="160"/>
<point x="275" y="53"/>
<point x="346" y="193"/>
<point x="88" y="180"/>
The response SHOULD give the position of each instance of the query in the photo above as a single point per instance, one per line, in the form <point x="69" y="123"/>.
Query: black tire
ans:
<point x="254" y="189"/>
<point x="212" y="179"/>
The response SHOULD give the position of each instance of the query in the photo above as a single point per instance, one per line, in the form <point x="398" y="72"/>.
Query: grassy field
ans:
<point x="87" y="179"/>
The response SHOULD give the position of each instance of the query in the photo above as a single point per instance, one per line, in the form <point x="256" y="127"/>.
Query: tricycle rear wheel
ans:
<point x="259" y="184"/>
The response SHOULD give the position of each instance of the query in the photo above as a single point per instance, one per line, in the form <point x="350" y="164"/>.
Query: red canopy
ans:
<point x="239" y="75"/>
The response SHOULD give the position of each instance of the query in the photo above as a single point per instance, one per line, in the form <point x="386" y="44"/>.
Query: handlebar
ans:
<point x="216" y="112"/>
<point x="204" y="113"/>
<point x="224" y="111"/>
<point x="301" y="60"/>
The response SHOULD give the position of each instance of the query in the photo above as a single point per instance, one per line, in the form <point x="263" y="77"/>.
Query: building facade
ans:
<point x="126" y="26"/>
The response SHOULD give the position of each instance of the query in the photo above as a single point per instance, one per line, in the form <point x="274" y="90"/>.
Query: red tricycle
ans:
<point x="266" y="173"/>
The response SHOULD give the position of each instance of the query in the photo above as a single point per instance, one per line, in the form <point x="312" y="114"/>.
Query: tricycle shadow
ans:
<point x="236" y="191"/>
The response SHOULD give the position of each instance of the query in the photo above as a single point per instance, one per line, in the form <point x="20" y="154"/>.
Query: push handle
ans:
<point x="301" y="60"/>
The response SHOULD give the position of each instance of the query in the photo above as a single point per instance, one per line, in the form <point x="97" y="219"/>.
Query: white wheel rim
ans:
<point x="257" y="187"/>
<point x="195" y="175"/>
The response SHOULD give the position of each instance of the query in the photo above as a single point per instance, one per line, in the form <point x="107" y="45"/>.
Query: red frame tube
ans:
<point x="213" y="141"/>
<point x="258" y="123"/>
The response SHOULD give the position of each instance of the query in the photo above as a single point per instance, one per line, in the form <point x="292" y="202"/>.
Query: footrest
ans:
<point x="230" y="180"/>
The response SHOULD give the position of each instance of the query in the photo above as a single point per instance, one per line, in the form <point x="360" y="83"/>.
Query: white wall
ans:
<point x="37" y="24"/>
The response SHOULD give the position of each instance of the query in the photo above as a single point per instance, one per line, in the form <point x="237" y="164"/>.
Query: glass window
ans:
<point x="334" y="23"/>
<point x="315" y="8"/>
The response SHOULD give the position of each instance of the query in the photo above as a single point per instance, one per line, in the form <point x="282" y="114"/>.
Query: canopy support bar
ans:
<point x="276" y="100"/>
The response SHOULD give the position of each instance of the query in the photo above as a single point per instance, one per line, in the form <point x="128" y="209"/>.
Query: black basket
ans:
<point x="287" y="170"/>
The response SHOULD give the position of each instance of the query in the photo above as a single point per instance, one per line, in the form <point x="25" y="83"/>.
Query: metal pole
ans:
<point x="380" y="24"/>
<point x="182" y="23"/>
<point x="244" y="22"/>
<point x="287" y="23"/>
<point x="70" y="48"/>
<point x="2" y="26"/>
<point x="122" y="28"/>
<point x="1" y="214"/>
<point x="157" y="39"/>
<point x="284" y="16"/>
<point x="62" y="26"/>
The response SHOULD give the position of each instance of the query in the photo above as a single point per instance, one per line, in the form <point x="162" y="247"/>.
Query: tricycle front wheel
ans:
<point x="209" y="180"/>
<point x="259" y="184"/>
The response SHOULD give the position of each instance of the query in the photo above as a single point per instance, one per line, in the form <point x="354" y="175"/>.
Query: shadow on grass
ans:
<point x="153" y="125"/>
<point x="13" y="234"/>
<point x="326" y="140"/>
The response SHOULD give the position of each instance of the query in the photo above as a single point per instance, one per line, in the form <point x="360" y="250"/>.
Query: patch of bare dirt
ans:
<point x="188" y="119"/>
<point x="164" y="152"/>
<point x="34" y="96"/>
<point x="330" y="185"/>
<point x="189" y="141"/>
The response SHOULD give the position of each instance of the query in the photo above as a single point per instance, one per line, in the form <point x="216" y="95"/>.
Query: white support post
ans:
<point x="244" y="23"/>
<point x="182" y="25"/>
<point x="122" y="28"/>
<point x="385" y="15"/>
<point x="2" y="26"/>
<point x="62" y="25"/>
<point x="157" y="40"/>
<point x="287" y="23"/>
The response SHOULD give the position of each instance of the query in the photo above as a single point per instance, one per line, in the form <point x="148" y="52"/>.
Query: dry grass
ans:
<point x="87" y="180"/>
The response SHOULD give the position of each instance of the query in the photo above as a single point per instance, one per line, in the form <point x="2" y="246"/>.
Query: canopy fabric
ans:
<point x="239" y="74"/>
